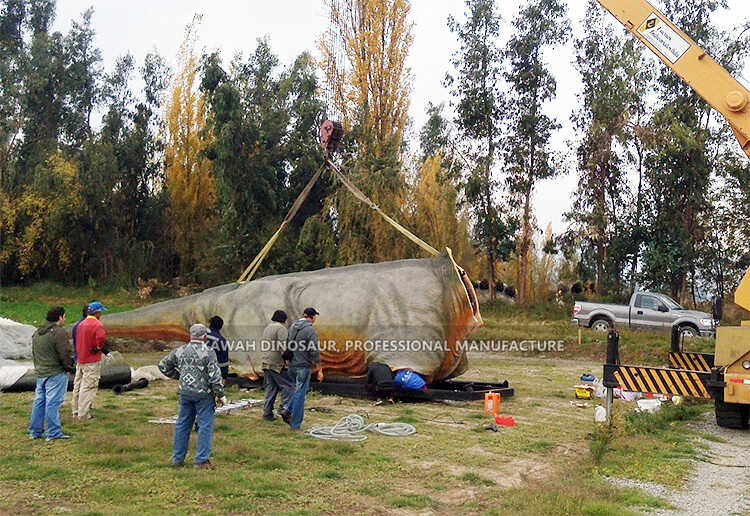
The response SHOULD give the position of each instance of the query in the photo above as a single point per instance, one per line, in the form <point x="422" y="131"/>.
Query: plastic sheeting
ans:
<point x="15" y="339"/>
<point x="114" y="371"/>
<point x="149" y="372"/>
<point x="11" y="372"/>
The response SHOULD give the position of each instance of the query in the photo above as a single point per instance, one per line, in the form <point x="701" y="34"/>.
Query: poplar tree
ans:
<point x="189" y="174"/>
<point x="540" y="25"/>
<point x="475" y="86"/>
<point x="373" y="83"/>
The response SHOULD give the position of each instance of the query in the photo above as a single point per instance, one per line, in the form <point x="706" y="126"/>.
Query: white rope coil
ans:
<point x="352" y="428"/>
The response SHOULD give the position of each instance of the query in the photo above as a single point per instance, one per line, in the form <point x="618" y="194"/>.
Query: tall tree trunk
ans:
<point x="601" y="228"/>
<point x="523" y="251"/>
<point x="491" y="274"/>
<point x="638" y="204"/>
<point x="488" y="204"/>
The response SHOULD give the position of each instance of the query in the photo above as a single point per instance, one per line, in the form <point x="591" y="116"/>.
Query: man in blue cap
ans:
<point x="90" y="337"/>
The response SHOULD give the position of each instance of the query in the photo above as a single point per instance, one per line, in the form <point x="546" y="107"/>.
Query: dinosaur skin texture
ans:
<point x="408" y="314"/>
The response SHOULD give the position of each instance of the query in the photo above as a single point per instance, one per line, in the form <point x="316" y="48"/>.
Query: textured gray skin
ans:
<point x="418" y="299"/>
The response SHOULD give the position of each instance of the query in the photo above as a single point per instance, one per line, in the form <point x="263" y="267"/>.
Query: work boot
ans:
<point x="269" y="417"/>
<point x="203" y="465"/>
<point x="285" y="415"/>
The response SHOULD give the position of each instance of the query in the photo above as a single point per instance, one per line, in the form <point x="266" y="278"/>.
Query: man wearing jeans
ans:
<point x="196" y="367"/>
<point x="52" y="358"/>
<point x="302" y="341"/>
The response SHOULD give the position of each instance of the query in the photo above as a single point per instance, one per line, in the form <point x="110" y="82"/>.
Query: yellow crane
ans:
<point x="724" y="375"/>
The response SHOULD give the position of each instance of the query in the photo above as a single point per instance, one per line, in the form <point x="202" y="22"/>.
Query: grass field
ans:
<point x="553" y="461"/>
<point x="543" y="465"/>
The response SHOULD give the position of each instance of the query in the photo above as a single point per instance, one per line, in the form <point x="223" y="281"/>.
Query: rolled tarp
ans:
<point x="15" y="339"/>
<point x="15" y="378"/>
<point x="138" y="384"/>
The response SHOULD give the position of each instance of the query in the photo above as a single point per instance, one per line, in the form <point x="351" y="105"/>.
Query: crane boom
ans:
<point x="699" y="70"/>
<point x="687" y="59"/>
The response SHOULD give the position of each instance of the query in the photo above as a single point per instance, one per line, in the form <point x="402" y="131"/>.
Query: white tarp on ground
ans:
<point x="11" y="372"/>
<point x="149" y="372"/>
<point x="15" y="339"/>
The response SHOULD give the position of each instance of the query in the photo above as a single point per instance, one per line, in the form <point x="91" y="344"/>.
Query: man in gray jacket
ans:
<point x="198" y="370"/>
<point x="302" y="341"/>
<point x="272" y="363"/>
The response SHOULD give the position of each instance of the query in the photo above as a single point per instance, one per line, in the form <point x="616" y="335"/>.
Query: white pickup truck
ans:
<point x="646" y="310"/>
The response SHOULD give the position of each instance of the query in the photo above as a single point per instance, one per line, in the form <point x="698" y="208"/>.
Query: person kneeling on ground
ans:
<point x="272" y="363"/>
<point x="52" y="358"/>
<point x="195" y="365"/>
<point x="379" y="383"/>
<point x="302" y="341"/>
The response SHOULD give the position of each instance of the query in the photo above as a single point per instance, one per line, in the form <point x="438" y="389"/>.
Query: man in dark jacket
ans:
<point x="218" y="343"/>
<point x="52" y="359"/>
<point x="302" y="341"/>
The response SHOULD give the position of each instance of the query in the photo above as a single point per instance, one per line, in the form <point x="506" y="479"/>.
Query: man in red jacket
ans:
<point x="90" y="337"/>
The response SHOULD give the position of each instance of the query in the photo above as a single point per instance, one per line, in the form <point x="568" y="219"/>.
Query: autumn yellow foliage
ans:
<point x="436" y="216"/>
<point x="364" y="59"/>
<point x="190" y="181"/>
<point x="35" y="225"/>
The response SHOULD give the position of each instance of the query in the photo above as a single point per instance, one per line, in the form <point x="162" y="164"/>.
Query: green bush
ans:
<point x="645" y="423"/>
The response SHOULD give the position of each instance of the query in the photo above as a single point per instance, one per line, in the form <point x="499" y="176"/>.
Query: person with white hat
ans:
<point x="195" y="365"/>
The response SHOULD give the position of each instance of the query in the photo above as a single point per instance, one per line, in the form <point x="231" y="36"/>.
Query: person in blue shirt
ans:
<point x="218" y="343"/>
<point x="75" y="326"/>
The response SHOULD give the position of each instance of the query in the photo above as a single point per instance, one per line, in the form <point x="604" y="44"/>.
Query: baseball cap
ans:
<point x="198" y="330"/>
<point x="96" y="306"/>
<point x="310" y="312"/>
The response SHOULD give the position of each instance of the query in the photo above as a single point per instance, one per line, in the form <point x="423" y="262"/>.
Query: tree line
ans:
<point x="190" y="175"/>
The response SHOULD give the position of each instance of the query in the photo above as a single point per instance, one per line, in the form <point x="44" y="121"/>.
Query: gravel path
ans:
<point x="712" y="489"/>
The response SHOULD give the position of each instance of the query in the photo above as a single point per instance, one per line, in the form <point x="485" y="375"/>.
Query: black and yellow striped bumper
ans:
<point x="681" y="382"/>
<point x="691" y="361"/>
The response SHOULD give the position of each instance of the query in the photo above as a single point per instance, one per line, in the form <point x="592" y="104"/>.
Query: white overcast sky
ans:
<point x="140" y="26"/>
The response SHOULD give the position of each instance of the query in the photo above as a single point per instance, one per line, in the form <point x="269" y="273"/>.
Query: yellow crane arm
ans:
<point x="688" y="60"/>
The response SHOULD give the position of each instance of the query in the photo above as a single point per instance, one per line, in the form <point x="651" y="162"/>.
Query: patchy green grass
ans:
<point x="453" y="465"/>
<point x="411" y="501"/>
<point x="549" y="322"/>
<point x="581" y="491"/>
<point x="446" y="468"/>
<point x="29" y="304"/>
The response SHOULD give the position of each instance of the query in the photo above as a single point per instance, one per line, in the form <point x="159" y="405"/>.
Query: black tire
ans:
<point x="598" y="324"/>
<point x="731" y="415"/>
<point x="689" y="331"/>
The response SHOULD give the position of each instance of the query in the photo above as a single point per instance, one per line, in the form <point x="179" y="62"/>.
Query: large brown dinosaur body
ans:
<point x="409" y="314"/>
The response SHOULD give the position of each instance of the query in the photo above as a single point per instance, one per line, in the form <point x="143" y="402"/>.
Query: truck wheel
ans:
<point x="601" y="324"/>
<point x="731" y="415"/>
<point x="689" y="332"/>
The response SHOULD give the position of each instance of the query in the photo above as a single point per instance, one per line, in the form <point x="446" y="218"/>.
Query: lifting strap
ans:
<point x="251" y="269"/>
<point x="255" y="264"/>
<point x="362" y="197"/>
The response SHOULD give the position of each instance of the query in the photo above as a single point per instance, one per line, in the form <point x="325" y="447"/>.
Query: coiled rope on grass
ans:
<point x="352" y="428"/>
